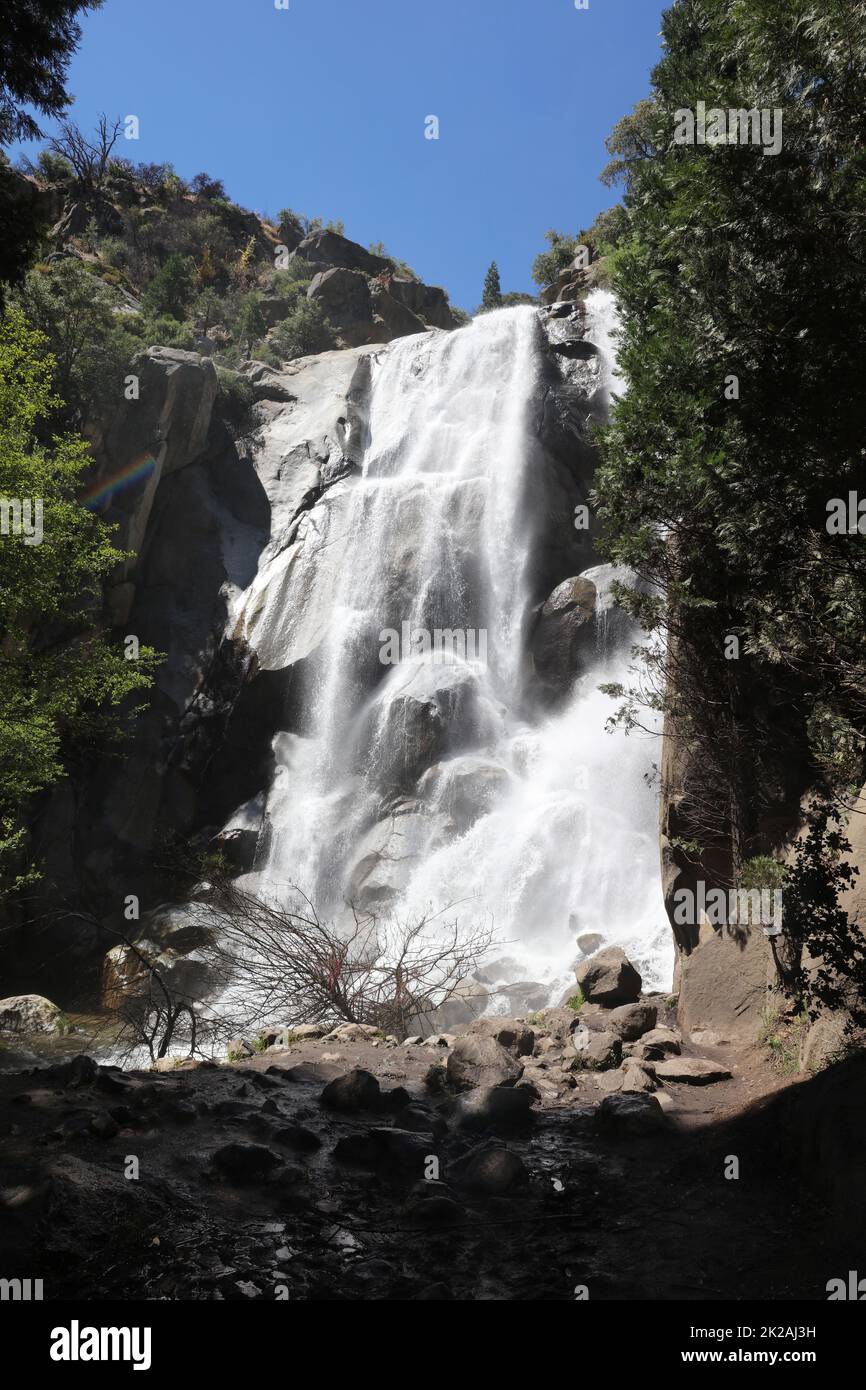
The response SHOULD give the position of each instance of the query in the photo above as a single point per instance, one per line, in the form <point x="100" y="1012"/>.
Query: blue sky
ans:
<point x="321" y="107"/>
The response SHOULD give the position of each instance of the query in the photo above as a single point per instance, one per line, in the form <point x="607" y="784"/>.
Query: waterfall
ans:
<point x="425" y="774"/>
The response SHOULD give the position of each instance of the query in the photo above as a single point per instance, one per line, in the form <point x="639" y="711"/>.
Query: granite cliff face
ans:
<point x="220" y="519"/>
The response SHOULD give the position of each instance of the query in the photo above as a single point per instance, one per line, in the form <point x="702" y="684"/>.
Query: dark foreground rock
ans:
<point x="244" y="1186"/>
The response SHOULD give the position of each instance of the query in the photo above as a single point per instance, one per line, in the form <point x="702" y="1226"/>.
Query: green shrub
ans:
<point x="171" y="288"/>
<point x="235" y="400"/>
<point x="304" y="331"/>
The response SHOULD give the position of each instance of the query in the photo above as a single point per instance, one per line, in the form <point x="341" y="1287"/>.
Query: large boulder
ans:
<point x="630" y="1116"/>
<point x="465" y="788"/>
<point x="479" y="1061"/>
<point x="399" y="321"/>
<point x="511" y="1033"/>
<point x="609" y="978"/>
<point x="557" y="1024"/>
<point x="345" y="299"/>
<point x="245" y="1163"/>
<point x="724" y="984"/>
<point x="563" y="640"/>
<point x="356" y="1090"/>
<point x="429" y="302"/>
<point x="693" y="1071"/>
<point x="497" y="1108"/>
<point x="596" y="1051"/>
<point x="386" y="857"/>
<point x="631" y="1021"/>
<point x="492" y="1171"/>
<point x="30" y="1013"/>
<point x="424" y="712"/>
<point x="327" y="248"/>
<point x="174" y="947"/>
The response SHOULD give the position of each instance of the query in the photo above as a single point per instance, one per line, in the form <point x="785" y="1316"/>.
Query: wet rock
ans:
<point x="693" y="1071"/>
<point x="359" y="1150"/>
<point x="387" y="1150"/>
<point x="243" y="1163"/>
<point x="423" y="1121"/>
<point x="402" y="1149"/>
<point x="630" y="1116"/>
<point x="356" y="1090"/>
<point x="480" y="1061"/>
<point x="298" y="1138"/>
<point x="563" y="642"/>
<point x="511" y="1033"/>
<point x="590" y="942"/>
<point x="104" y="1127"/>
<point x="183" y="1111"/>
<point x="492" y="1171"/>
<point x="609" y="978"/>
<point x="435" y="1293"/>
<point x="398" y="1098"/>
<point x="435" y="1211"/>
<point x="498" y="1108"/>
<point x="232" y="1109"/>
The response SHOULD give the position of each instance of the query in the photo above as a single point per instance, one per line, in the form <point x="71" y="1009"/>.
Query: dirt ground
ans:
<point x="593" y="1213"/>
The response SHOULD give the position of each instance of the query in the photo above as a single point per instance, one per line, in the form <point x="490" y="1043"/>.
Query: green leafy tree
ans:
<point x="306" y="330"/>
<point x="491" y="297"/>
<point x="548" y="265"/>
<point x="816" y="926"/>
<point x="744" y="414"/>
<point x="36" y="46"/>
<point x="63" y="683"/>
<point x="250" y="326"/>
<point x="516" y="297"/>
<point x="632" y="142"/>
<point x="207" y="310"/>
<point x="87" y="342"/>
<point x="172" y="287"/>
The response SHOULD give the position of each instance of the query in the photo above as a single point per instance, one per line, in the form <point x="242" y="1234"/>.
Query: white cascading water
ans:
<point x="561" y="834"/>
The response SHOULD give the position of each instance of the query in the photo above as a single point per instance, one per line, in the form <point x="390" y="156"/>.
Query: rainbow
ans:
<point x="107" y="488"/>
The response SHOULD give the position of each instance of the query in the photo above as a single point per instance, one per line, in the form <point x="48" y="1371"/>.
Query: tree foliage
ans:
<point x="88" y="345"/>
<point x="63" y="682"/>
<point x="491" y="297"/>
<point x="37" y="44"/>
<point x="744" y="414"/>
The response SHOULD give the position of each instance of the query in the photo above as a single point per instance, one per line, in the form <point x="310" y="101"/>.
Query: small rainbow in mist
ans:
<point x="107" y="488"/>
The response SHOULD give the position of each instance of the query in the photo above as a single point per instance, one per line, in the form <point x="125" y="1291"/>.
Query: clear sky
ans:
<point x="322" y="106"/>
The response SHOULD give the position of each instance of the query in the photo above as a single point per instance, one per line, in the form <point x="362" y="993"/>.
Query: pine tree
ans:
<point x="492" y="296"/>
<point x="250" y="326"/>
